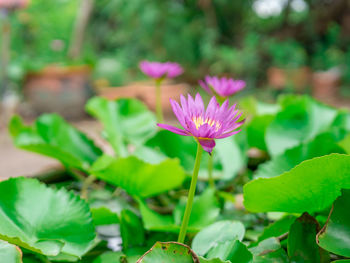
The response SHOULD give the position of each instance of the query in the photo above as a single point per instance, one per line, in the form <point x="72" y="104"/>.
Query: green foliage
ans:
<point x="10" y="253"/>
<point x="125" y="121"/>
<point x="302" y="245"/>
<point x="221" y="231"/>
<point x="138" y="178"/>
<point x="324" y="177"/>
<point x="167" y="252"/>
<point x="50" y="135"/>
<point x="335" y="237"/>
<point x="51" y="222"/>
<point x="300" y="120"/>
<point x="204" y="212"/>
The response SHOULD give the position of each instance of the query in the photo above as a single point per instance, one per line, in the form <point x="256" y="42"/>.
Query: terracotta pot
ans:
<point x="145" y="91"/>
<point x="325" y="85"/>
<point x="279" y="78"/>
<point x="58" y="89"/>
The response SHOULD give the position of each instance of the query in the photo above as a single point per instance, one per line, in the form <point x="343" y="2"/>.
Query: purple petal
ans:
<point x="225" y="135"/>
<point x="173" y="129"/>
<point x="178" y="112"/>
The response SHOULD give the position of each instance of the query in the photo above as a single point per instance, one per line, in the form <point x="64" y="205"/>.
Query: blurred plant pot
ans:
<point x="145" y="91"/>
<point x="279" y="78"/>
<point x="325" y="85"/>
<point x="64" y="90"/>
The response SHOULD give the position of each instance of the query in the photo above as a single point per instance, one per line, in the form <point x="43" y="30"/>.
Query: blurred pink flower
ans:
<point x="224" y="87"/>
<point x="13" y="4"/>
<point x="159" y="70"/>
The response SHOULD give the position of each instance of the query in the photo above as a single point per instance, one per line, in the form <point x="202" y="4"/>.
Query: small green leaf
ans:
<point x="131" y="229"/>
<point x="220" y="231"/>
<point x="125" y="121"/>
<point x="277" y="228"/>
<point x="137" y="177"/>
<point x="55" y="223"/>
<point x="109" y="257"/>
<point x="265" y="246"/>
<point x="53" y="137"/>
<point x="169" y="252"/>
<point x="336" y="236"/>
<point x="10" y="253"/>
<point x="311" y="186"/>
<point x="104" y="216"/>
<point x="302" y="245"/>
<point x="232" y="250"/>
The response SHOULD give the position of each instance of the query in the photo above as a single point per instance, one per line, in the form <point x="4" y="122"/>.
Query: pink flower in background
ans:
<point x="159" y="70"/>
<point x="12" y="4"/>
<point x="224" y="87"/>
<point x="206" y="125"/>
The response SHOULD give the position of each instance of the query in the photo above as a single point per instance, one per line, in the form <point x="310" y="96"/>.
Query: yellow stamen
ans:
<point x="199" y="121"/>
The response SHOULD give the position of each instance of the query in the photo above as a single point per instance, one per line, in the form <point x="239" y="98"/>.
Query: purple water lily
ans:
<point x="206" y="125"/>
<point x="159" y="70"/>
<point x="224" y="87"/>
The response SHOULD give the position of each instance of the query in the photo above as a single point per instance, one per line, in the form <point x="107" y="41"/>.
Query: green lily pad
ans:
<point x="300" y="120"/>
<point x="10" y="253"/>
<point x="169" y="252"/>
<point x="220" y="231"/>
<point x="50" y="135"/>
<point x="335" y="237"/>
<point x="232" y="250"/>
<point x="125" y="121"/>
<point x="311" y="186"/>
<point x="54" y="223"/>
<point x="138" y="178"/>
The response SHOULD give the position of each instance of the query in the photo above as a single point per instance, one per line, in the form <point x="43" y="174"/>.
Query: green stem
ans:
<point x="159" y="110"/>
<point x="85" y="187"/>
<point x="191" y="193"/>
<point x="210" y="171"/>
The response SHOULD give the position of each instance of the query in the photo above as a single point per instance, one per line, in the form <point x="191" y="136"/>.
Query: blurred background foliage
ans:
<point x="239" y="38"/>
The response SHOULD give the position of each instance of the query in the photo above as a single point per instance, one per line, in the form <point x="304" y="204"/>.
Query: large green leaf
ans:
<point x="50" y="135"/>
<point x="10" y="253"/>
<point x="125" y="121"/>
<point x="137" y="177"/>
<point x="169" y="252"/>
<point x="205" y="210"/>
<point x="212" y="260"/>
<point x="55" y="223"/>
<point x="336" y="235"/>
<point x="220" y="231"/>
<point x="302" y="245"/>
<point x="300" y="120"/>
<point x="322" y="145"/>
<point x="311" y="186"/>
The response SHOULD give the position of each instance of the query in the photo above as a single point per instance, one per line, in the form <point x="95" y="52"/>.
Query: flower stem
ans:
<point x="210" y="171"/>
<point x="191" y="193"/>
<point x="159" y="110"/>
